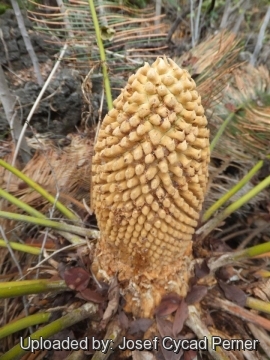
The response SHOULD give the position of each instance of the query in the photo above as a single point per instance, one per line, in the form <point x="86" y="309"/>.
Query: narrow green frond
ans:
<point x="102" y="55"/>
<point x="51" y="224"/>
<point x="26" y="287"/>
<point x="221" y="131"/>
<point x="20" y="204"/>
<point x="75" y="316"/>
<point x="258" y="305"/>
<point x="233" y="190"/>
<point x="21" y="247"/>
<point x="24" y="323"/>
<point x="65" y="211"/>
<point x="214" y="223"/>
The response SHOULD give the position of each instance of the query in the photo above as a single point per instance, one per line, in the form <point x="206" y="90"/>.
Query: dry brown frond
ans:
<point x="229" y="86"/>
<point x="62" y="170"/>
<point x="124" y="29"/>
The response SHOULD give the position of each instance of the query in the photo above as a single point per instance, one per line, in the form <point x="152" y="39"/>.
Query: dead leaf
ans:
<point x="113" y="296"/>
<point x="180" y="318"/>
<point x="90" y="295"/>
<point x="190" y="355"/>
<point x="169" y="354"/>
<point x="168" y="305"/>
<point x="165" y="327"/>
<point x="76" y="278"/>
<point x="227" y="273"/>
<point x="196" y="294"/>
<point x="123" y="320"/>
<point x="140" y="325"/>
<point x="201" y="270"/>
<point x="233" y="293"/>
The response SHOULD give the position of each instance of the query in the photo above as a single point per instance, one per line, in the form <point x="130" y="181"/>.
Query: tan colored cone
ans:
<point x="150" y="173"/>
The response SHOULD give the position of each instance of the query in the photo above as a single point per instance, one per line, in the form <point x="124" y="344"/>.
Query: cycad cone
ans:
<point x="150" y="173"/>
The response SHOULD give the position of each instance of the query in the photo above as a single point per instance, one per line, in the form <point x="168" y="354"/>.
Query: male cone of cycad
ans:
<point x="150" y="173"/>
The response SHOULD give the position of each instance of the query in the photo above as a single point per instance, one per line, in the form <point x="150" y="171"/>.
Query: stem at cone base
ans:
<point x="142" y="285"/>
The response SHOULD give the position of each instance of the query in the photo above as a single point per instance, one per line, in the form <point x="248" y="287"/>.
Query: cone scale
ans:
<point x="150" y="172"/>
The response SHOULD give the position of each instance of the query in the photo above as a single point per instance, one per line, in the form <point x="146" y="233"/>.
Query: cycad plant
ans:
<point x="112" y="34"/>
<point x="126" y="173"/>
